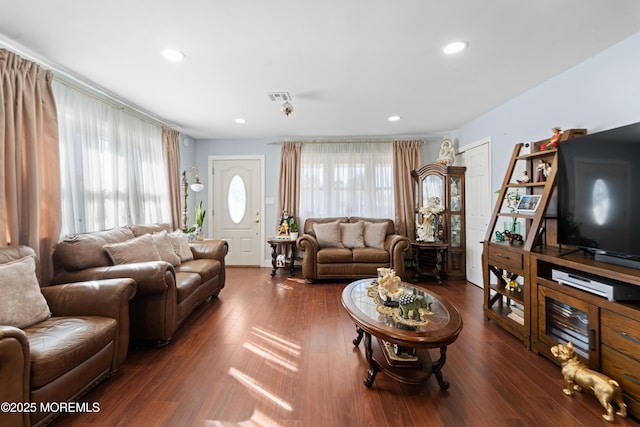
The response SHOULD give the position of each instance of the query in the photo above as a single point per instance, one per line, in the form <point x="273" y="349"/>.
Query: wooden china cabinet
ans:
<point x="447" y="183"/>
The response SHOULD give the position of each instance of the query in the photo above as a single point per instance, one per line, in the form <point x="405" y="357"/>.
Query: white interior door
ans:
<point x="237" y="186"/>
<point x="476" y="158"/>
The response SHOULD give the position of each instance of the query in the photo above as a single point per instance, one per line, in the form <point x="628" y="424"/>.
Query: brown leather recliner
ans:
<point x="166" y="294"/>
<point x="351" y="263"/>
<point x="59" y="359"/>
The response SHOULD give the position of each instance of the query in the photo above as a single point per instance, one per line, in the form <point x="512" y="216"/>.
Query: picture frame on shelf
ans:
<point x="528" y="203"/>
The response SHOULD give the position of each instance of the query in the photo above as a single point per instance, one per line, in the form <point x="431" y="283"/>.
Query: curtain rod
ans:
<point x="74" y="81"/>
<point x="343" y="141"/>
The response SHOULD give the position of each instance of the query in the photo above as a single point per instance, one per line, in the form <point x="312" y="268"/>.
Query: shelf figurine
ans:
<point x="553" y="141"/>
<point x="525" y="178"/>
<point x="541" y="170"/>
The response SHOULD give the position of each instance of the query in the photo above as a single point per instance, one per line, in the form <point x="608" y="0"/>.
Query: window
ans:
<point x="112" y="167"/>
<point x="346" y="179"/>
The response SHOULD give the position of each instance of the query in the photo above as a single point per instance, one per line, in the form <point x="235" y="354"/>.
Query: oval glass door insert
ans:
<point x="237" y="199"/>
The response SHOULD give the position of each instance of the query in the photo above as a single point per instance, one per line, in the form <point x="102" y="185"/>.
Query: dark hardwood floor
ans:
<point x="279" y="352"/>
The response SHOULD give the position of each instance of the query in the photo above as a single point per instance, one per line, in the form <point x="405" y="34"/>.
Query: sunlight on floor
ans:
<point x="270" y="356"/>
<point x="254" y="386"/>
<point x="279" y="353"/>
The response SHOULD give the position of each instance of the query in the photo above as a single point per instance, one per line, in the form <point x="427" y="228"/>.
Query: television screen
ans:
<point x="599" y="192"/>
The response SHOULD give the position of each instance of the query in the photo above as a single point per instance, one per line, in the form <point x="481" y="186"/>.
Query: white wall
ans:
<point x="599" y="94"/>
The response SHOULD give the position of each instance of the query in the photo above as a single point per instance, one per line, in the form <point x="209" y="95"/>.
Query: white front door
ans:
<point x="237" y="207"/>
<point x="476" y="158"/>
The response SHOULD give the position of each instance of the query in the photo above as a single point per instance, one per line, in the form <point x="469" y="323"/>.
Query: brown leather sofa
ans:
<point x="326" y="260"/>
<point x="166" y="293"/>
<point x="58" y="359"/>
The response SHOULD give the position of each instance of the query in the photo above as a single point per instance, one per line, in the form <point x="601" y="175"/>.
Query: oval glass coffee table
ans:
<point x="400" y="349"/>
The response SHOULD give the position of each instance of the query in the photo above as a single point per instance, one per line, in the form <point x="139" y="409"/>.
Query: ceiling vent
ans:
<point x="279" y="96"/>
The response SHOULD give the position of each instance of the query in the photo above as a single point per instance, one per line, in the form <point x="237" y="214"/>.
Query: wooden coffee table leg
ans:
<point x="373" y="366"/>
<point x="356" y="340"/>
<point x="437" y="368"/>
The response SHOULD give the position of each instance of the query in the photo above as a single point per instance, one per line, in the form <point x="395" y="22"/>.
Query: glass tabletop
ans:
<point x="363" y="299"/>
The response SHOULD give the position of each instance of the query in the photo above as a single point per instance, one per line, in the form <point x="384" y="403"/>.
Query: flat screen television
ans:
<point x="599" y="194"/>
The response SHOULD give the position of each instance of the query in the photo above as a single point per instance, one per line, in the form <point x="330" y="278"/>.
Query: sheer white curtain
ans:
<point x="346" y="179"/>
<point x="112" y="165"/>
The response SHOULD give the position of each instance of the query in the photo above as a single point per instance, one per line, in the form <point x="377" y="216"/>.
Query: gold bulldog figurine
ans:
<point x="578" y="376"/>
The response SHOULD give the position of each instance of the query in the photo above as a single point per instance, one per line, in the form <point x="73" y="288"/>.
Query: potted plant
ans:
<point x="201" y="212"/>
<point x="293" y="228"/>
<point x="512" y="198"/>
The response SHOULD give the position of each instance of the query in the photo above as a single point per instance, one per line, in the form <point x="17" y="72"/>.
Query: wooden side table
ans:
<point x="286" y="243"/>
<point x="427" y="259"/>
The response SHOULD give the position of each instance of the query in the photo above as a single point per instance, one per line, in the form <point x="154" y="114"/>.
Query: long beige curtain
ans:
<point x="289" y="183"/>
<point x="30" y="207"/>
<point x="171" y="152"/>
<point x="406" y="157"/>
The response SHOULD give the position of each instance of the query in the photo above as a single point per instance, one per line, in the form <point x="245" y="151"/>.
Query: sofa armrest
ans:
<point x="92" y="298"/>
<point x="152" y="277"/>
<point x="309" y="244"/>
<point x="106" y="298"/>
<point x="15" y="373"/>
<point x="397" y="245"/>
<point x="213" y="249"/>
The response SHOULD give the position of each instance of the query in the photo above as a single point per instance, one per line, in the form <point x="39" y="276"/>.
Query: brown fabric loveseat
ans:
<point x="56" y="342"/>
<point x="350" y="248"/>
<point x="171" y="280"/>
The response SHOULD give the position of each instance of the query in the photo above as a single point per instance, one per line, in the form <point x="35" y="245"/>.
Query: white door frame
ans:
<point x="260" y="157"/>
<point x="486" y="140"/>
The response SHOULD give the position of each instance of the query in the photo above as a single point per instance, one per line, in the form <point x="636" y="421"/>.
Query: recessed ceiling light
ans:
<point x="394" y="118"/>
<point x="173" y="55"/>
<point x="240" y="121"/>
<point x="455" y="47"/>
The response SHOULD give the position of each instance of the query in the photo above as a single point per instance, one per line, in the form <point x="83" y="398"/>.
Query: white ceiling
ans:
<point x="347" y="64"/>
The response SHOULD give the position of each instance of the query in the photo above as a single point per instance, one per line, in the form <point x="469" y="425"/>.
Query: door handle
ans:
<point x="257" y="220"/>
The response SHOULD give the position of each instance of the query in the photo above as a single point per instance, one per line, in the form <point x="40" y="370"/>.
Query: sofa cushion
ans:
<point x="352" y="234"/>
<point x="375" y="234"/>
<point x="140" y="229"/>
<point x="60" y="344"/>
<point x="207" y="268"/>
<point x="86" y="250"/>
<point x="180" y="244"/>
<point x="328" y="234"/>
<point x="334" y="255"/>
<point x="165" y="248"/>
<point x="138" y="249"/>
<point x="371" y="256"/>
<point x="21" y="302"/>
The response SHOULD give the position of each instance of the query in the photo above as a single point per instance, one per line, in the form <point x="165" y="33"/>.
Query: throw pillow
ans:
<point x="138" y="249"/>
<point x="165" y="248"/>
<point x="22" y="304"/>
<point x="328" y="234"/>
<point x="352" y="234"/>
<point x="180" y="244"/>
<point x="375" y="234"/>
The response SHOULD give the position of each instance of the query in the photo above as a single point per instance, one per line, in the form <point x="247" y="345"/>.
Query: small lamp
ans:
<point x="197" y="186"/>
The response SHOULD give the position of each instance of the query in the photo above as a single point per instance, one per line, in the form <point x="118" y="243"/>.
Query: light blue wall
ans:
<point x="599" y="94"/>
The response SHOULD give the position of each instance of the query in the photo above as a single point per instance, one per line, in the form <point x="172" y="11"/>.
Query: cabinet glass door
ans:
<point x="455" y="196"/>
<point x="564" y="318"/>
<point x="456" y="231"/>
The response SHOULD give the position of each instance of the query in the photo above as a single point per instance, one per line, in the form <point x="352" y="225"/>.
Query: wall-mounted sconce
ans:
<point x="197" y="186"/>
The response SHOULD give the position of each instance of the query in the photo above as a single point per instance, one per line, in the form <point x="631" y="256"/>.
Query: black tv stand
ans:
<point x="617" y="260"/>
